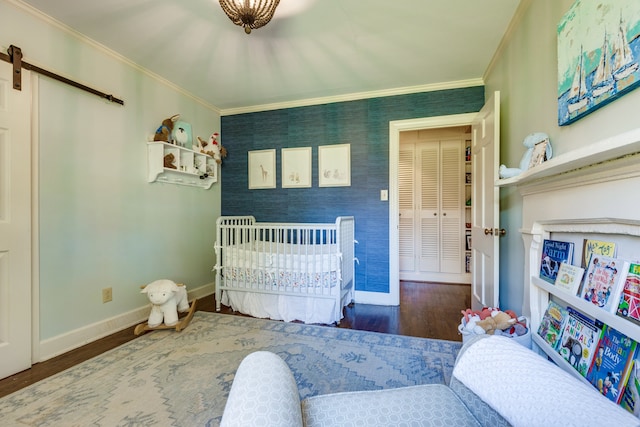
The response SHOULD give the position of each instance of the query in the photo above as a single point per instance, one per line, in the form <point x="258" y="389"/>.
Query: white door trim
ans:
<point x="35" y="219"/>
<point x="395" y="127"/>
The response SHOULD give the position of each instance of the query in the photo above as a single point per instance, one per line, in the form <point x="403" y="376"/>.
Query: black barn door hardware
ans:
<point x="14" y="57"/>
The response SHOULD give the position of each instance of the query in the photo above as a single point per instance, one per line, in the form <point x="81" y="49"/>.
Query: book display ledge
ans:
<point x="582" y="194"/>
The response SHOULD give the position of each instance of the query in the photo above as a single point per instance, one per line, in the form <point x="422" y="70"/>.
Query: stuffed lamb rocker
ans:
<point x="167" y="299"/>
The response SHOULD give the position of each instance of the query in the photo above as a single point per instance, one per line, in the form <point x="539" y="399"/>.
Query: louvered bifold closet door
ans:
<point x="406" y="179"/>
<point x="428" y="240"/>
<point x="451" y="199"/>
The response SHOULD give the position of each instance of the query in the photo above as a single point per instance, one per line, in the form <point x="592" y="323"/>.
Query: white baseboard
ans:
<point x="60" y="344"/>
<point x="375" y="298"/>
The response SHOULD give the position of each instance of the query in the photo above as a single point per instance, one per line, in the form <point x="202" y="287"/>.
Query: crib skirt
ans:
<point x="284" y="307"/>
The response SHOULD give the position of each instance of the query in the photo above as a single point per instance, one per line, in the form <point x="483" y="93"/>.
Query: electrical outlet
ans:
<point x="107" y="295"/>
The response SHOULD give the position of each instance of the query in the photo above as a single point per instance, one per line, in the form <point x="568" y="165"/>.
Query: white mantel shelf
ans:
<point x="603" y="151"/>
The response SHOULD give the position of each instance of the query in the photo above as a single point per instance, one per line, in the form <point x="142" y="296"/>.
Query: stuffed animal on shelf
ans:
<point x="169" y="160"/>
<point x="167" y="299"/>
<point x="163" y="133"/>
<point x="212" y="148"/>
<point x="529" y="142"/>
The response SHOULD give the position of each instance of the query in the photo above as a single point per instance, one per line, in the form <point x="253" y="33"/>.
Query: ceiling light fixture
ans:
<point x="250" y="14"/>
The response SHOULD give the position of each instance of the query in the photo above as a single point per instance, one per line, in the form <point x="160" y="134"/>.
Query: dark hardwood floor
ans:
<point x="427" y="310"/>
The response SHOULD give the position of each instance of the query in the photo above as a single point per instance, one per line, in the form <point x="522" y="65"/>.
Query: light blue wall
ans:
<point x="100" y="223"/>
<point x="525" y="72"/>
<point x="364" y="125"/>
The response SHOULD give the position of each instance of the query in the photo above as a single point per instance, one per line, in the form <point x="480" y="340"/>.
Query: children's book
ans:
<point x="611" y="364"/>
<point x="552" y="324"/>
<point x="630" y="399"/>
<point x="569" y="278"/>
<point x="592" y="246"/>
<point x="554" y="252"/>
<point x="629" y="303"/>
<point x="580" y="337"/>
<point x="603" y="281"/>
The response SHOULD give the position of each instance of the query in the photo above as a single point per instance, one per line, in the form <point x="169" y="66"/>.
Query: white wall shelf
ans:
<point x="191" y="168"/>
<point x="612" y="148"/>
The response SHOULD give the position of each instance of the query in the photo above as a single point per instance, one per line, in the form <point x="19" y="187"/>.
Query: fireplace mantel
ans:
<point x="600" y="153"/>
<point x="590" y="192"/>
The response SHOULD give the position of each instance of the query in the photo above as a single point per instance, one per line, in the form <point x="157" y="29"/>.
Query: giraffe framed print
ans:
<point x="262" y="169"/>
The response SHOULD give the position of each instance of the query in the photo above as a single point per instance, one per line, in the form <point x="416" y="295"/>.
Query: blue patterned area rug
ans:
<point x="183" y="378"/>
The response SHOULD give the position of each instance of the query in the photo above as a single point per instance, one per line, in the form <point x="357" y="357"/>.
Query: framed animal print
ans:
<point x="262" y="169"/>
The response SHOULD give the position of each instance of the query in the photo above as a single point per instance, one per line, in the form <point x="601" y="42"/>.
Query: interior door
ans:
<point x="485" y="151"/>
<point x="15" y="223"/>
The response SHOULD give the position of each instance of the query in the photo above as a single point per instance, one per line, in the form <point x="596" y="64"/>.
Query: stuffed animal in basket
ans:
<point x="529" y="142"/>
<point x="167" y="299"/>
<point x="499" y="320"/>
<point x="163" y="133"/>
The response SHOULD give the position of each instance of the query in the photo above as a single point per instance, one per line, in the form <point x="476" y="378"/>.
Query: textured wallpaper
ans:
<point x="365" y="125"/>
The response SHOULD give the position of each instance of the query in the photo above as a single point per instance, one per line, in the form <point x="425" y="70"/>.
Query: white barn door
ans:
<point x="15" y="222"/>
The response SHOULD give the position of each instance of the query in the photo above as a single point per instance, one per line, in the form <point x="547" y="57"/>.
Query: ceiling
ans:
<point x="312" y="49"/>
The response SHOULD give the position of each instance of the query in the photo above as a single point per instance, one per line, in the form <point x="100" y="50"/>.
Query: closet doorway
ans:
<point x="395" y="129"/>
<point x="434" y="186"/>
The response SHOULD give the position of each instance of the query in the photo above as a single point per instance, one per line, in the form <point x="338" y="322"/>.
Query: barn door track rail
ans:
<point x="14" y="56"/>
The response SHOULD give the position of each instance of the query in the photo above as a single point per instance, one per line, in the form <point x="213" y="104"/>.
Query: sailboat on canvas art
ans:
<point x="578" y="97"/>
<point x="624" y="64"/>
<point x="597" y="65"/>
<point x="603" y="78"/>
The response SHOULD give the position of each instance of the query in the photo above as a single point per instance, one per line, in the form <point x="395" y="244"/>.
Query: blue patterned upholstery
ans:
<point x="482" y="392"/>
<point x="421" y="405"/>
<point x="264" y="393"/>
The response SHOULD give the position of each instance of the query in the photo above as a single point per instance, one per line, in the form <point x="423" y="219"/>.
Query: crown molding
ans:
<point x="102" y="48"/>
<point x="515" y="23"/>
<point x="354" y="96"/>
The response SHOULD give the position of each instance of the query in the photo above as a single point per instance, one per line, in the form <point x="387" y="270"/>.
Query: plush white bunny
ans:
<point x="167" y="299"/>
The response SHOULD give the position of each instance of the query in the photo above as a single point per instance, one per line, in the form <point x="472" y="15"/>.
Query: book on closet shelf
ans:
<point x="554" y="252"/>
<point x="580" y="337"/>
<point x="592" y="246"/>
<point x="552" y="324"/>
<point x="629" y="302"/>
<point x="569" y="278"/>
<point x="611" y="364"/>
<point x="604" y="278"/>
<point x="630" y="399"/>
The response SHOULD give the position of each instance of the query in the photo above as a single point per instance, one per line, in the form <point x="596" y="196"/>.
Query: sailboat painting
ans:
<point x="598" y="55"/>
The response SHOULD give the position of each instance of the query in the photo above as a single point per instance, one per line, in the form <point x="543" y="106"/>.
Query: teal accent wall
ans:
<point x="365" y="125"/>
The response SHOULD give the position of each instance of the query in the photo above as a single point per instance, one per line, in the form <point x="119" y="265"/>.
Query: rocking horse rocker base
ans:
<point x="168" y="301"/>
<point x="182" y="323"/>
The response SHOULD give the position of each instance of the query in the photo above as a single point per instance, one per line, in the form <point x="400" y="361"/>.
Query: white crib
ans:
<point x="285" y="271"/>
